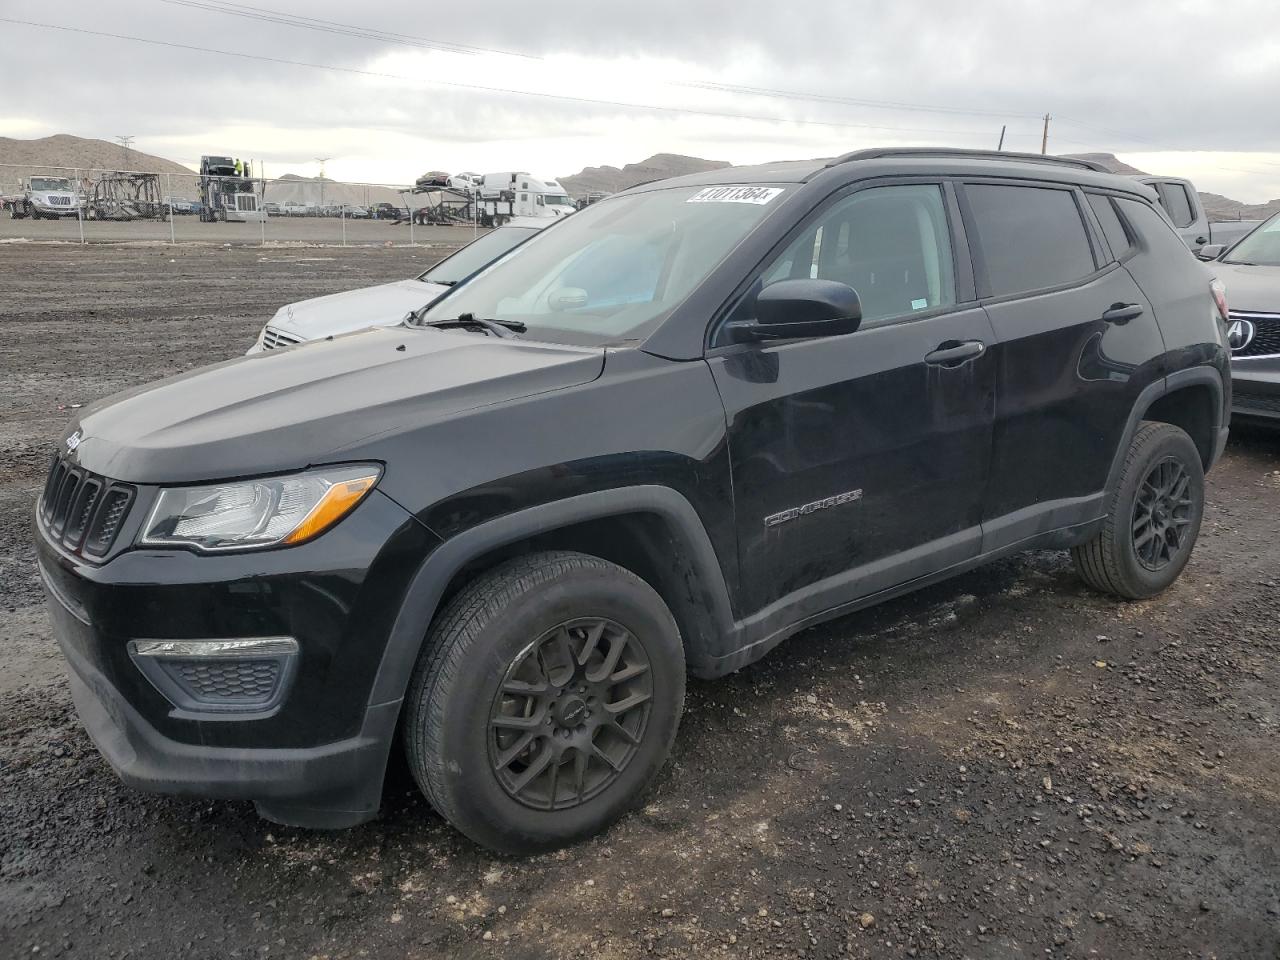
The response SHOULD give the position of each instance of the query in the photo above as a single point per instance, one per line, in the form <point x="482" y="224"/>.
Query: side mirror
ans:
<point x="1211" y="251"/>
<point x="801" y="308"/>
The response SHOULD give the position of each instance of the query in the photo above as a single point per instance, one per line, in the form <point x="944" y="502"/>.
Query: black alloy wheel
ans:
<point x="571" y="711"/>
<point x="1163" y="511"/>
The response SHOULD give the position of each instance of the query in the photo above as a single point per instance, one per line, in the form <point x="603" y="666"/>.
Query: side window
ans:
<point x="891" y="244"/>
<point x="1154" y="230"/>
<point x="1178" y="204"/>
<point x="1111" y="225"/>
<point x="1031" y="237"/>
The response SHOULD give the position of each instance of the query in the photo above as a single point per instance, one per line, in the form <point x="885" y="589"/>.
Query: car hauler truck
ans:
<point x="228" y="193"/>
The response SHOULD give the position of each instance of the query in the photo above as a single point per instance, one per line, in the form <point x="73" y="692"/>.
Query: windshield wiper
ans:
<point x="499" y="328"/>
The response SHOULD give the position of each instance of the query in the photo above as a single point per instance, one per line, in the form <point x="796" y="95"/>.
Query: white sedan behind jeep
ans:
<point x="389" y="303"/>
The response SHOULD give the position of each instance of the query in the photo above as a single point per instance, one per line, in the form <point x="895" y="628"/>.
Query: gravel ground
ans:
<point x="1006" y="765"/>
<point x="189" y="230"/>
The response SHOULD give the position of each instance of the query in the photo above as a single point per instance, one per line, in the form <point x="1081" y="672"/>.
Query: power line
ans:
<point x="564" y="98"/>
<point x="267" y="15"/>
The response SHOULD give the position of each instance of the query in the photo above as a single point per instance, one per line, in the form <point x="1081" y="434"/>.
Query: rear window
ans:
<point x="1112" y="228"/>
<point x="1031" y="237"/>
<point x="1178" y="204"/>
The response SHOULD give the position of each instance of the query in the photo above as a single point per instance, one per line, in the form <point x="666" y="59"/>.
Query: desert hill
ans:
<point x="64" y="150"/>
<point x="658" y="167"/>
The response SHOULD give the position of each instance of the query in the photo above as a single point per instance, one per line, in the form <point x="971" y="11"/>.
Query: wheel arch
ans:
<point x="651" y="530"/>
<point x="1191" y="399"/>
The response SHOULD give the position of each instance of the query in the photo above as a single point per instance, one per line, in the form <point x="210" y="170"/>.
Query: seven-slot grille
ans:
<point x="273" y="338"/>
<point x="1266" y="337"/>
<point x="82" y="510"/>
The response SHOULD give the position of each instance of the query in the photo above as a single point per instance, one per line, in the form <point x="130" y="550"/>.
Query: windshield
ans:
<point x="616" y="269"/>
<point x="558" y="200"/>
<point x="477" y="255"/>
<point x="50" y="183"/>
<point x="1262" y="247"/>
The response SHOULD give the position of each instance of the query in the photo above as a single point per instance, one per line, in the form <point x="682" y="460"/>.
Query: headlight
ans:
<point x="249" y="514"/>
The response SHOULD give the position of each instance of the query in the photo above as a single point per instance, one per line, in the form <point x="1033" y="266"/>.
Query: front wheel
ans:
<point x="545" y="701"/>
<point x="1153" y="518"/>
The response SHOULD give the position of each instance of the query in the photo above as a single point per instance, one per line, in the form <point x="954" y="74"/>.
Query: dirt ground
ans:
<point x="1006" y="765"/>
<point x="189" y="229"/>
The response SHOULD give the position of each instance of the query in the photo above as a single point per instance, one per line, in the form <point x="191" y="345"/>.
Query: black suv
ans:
<point x="689" y="421"/>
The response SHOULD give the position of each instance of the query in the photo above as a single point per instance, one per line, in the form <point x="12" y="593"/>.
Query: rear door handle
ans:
<point x="952" y="353"/>
<point x="1122" y="313"/>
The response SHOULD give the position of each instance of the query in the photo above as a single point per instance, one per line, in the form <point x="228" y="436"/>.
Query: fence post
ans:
<point x="343" y="214"/>
<point x="168" y="179"/>
<point x="262" y="207"/>
<point x="79" y="206"/>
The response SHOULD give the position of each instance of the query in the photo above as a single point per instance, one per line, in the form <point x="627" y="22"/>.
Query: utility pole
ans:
<point x="1000" y="145"/>
<point x="124" y="142"/>
<point x="1044" y="138"/>
<point x="321" y="161"/>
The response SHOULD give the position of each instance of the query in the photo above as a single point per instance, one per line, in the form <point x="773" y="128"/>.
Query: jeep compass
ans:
<point x="692" y="420"/>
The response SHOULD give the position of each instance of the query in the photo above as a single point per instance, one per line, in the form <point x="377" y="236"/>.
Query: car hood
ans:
<point x="1253" y="289"/>
<point x="313" y="403"/>
<point x="382" y="306"/>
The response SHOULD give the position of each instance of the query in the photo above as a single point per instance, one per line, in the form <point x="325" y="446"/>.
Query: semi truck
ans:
<point x="45" y="197"/>
<point x="501" y="196"/>
<point x="228" y="192"/>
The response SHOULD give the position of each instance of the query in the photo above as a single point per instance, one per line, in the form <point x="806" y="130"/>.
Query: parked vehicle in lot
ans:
<point x="1251" y="271"/>
<point x="388" y="304"/>
<point x="292" y="209"/>
<point x="178" y="205"/>
<point x="46" y="198"/>
<point x="272" y="208"/>
<point x="684" y="424"/>
<point x="1182" y="203"/>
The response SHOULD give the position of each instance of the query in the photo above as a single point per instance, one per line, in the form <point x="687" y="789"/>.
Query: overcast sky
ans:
<point x="1185" y="88"/>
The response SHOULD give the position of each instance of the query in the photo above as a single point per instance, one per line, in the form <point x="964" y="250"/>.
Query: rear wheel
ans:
<point x="545" y="701"/>
<point x="1153" y="518"/>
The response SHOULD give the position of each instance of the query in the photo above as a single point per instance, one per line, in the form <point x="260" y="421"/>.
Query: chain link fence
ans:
<point x="79" y="205"/>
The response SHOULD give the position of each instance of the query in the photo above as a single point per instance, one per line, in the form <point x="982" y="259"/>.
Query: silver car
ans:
<point x="1250" y="269"/>
<point x="388" y="303"/>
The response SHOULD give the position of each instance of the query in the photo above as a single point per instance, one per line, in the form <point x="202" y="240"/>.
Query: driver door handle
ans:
<point x="952" y="353"/>
<point x="1122" y="313"/>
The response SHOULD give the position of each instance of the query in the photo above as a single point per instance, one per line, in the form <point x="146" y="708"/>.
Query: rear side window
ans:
<point x="1178" y="204"/>
<point x="1154" y="230"/>
<point x="1112" y="228"/>
<point x="1031" y="237"/>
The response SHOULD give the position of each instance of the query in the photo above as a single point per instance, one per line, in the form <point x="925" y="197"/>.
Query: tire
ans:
<point x="1153" y="517"/>
<point x="477" y="725"/>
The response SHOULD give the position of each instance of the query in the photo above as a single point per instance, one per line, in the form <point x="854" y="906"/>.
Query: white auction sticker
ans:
<point x="758" y="195"/>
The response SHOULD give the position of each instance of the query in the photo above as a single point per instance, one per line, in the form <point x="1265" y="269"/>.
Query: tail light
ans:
<point x="1219" y="292"/>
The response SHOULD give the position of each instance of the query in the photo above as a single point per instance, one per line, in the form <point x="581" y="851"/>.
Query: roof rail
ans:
<point x="876" y="153"/>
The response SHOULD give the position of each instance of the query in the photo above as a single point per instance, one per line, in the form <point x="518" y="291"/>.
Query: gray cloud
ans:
<point x="1136" y="76"/>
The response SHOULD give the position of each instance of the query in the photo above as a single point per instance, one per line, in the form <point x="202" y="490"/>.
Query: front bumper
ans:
<point x="314" y="758"/>
<point x="1255" y="390"/>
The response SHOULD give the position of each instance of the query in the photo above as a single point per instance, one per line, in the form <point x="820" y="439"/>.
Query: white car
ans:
<point x="389" y="303"/>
